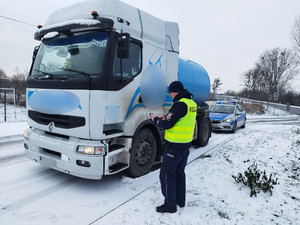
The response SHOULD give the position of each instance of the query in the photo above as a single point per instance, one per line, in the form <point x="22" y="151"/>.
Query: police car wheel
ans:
<point x="142" y="153"/>
<point x="233" y="128"/>
<point x="244" y="124"/>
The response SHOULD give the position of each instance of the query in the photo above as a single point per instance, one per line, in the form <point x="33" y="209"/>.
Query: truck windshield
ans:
<point x="72" y="55"/>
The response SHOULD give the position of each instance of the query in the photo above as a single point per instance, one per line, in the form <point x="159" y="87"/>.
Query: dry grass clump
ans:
<point x="253" y="108"/>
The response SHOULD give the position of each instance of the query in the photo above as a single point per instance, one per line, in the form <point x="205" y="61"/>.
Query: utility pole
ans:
<point x="5" y="100"/>
<point x="4" y="105"/>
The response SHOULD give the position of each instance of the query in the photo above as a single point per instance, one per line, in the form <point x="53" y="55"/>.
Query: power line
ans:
<point x="19" y="21"/>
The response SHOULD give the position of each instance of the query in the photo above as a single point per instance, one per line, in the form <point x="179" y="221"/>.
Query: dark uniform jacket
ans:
<point x="177" y="111"/>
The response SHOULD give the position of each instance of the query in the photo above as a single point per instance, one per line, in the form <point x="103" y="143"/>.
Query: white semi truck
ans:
<point x="94" y="80"/>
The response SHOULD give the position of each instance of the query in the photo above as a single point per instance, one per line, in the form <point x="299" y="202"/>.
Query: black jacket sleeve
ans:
<point x="177" y="111"/>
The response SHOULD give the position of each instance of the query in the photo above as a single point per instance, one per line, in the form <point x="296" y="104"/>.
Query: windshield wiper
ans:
<point x="76" y="71"/>
<point x="48" y="76"/>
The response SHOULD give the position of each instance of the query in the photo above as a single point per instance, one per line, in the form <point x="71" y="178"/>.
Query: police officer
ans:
<point x="179" y="126"/>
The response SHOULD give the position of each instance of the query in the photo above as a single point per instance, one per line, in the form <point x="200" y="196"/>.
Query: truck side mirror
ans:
<point x="123" y="46"/>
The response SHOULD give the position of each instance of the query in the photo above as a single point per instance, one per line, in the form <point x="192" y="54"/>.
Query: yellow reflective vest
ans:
<point x="183" y="130"/>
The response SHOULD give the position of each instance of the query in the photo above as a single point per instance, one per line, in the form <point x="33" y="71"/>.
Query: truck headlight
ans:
<point x="91" y="150"/>
<point x="26" y="134"/>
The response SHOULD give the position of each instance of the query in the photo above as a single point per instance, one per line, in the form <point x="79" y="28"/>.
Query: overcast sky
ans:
<point x="225" y="36"/>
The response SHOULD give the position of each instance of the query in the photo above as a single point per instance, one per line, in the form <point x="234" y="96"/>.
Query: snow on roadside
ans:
<point x="12" y="129"/>
<point x="212" y="195"/>
<point x="271" y="112"/>
<point x="15" y="124"/>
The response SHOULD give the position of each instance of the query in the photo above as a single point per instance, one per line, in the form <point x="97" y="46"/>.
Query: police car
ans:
<point x="227" y="116"/>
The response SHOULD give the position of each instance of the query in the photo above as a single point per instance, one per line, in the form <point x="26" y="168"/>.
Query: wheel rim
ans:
<point x="143" y="153"/>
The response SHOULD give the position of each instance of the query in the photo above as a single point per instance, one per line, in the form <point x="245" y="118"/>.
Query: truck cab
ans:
<point x="86" y="114"/>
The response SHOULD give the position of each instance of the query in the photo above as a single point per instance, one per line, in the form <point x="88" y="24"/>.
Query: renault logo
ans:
<point x="50" y="126"/>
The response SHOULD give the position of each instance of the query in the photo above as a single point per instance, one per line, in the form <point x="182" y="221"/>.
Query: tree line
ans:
<point x="269" y="79"/>
<point x="271" y="75"/>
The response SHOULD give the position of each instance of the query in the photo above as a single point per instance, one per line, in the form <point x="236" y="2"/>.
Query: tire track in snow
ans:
<point x="20" y="181"/>
<point x="36" y="196"/>
<point x="16" y="161"/>
<point x="10" y="158"/>
<point x="11" y="151"/>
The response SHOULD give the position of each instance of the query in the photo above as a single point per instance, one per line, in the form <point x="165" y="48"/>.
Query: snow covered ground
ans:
<point x="213" y="197"/>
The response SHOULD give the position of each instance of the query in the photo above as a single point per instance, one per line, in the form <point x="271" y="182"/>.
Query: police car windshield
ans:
<point x="218" y="108"/>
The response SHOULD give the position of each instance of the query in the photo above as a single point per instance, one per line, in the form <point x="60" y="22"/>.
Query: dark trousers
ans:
<point x="172" y="175"/>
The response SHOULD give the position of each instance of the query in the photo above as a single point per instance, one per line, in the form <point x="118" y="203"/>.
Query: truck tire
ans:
<point x="142" y="153"/>
<point x="204" y="132"/>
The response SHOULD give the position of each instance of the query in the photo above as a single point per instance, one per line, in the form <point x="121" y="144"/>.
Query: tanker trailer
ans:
<point x="195" y="79"/>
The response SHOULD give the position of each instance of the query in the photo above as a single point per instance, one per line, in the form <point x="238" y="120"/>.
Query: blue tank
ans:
<point x="195" y="79"/>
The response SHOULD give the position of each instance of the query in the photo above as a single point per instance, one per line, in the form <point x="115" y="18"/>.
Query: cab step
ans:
<point x="117" y="167"/>
<point x="113" y="133"/>
<point x="115" y="147"/>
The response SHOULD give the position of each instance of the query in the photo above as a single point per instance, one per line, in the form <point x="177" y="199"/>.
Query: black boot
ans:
<point x="165" y="208"/>
<point x="181" y="205"/>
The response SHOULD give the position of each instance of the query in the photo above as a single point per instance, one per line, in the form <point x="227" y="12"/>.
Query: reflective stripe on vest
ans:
<point x="183" y="130"/>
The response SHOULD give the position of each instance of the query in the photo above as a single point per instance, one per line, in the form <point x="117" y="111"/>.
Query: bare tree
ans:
<point x="2" y="74"/>
<point x="216" y="84"/>
<point x="295" y="35"/>
<point x="3" y="79"/>
<point x="253" y="79"/>
<point x="278" y="67"/>
<point x="231" y="92"/>
<point x="18" y="81"/>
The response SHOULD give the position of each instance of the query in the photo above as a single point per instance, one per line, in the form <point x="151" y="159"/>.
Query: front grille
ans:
<point x="61" y="121"/>
<point x="216" y="121"/>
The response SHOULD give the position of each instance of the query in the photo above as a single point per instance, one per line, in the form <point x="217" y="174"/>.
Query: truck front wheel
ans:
<point x="204" y="132"/>
<point x="142" y="153"/>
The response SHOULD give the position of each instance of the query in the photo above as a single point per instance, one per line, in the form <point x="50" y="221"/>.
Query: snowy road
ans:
<point x="31" y="194"/>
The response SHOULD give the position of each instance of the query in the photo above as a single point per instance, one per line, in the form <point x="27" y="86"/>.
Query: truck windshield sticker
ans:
<point x="99" y="44"/>
<point x="71" y="56"/>
<point x="77" y="39"/>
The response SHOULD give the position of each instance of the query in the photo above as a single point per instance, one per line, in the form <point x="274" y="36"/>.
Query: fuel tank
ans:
<point x="195" y="79"/>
